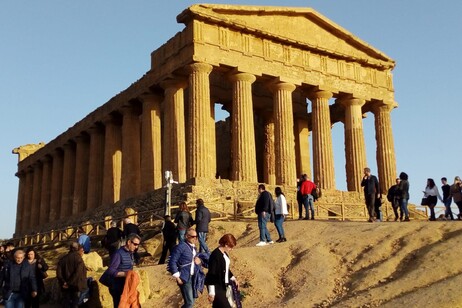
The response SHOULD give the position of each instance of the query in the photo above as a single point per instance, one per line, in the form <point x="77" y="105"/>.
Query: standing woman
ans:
<point x="403" y="195"/>
<point x="432" y="195"/>
<point x="280" y="212"/>
<point x="456" y="193"/>
<point x="183" y="220"/>
<point x="219" y="275"/>
<point x="40" y="270"/>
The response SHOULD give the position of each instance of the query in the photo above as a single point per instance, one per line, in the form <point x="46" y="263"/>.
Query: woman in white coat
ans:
<point x="280" y="209"/>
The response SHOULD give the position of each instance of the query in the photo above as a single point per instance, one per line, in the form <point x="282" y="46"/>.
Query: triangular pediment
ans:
<point x="300" y="26"/>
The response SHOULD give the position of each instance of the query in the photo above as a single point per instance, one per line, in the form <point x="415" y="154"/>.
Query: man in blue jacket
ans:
<point x="17" y="279"/>
<point x="182" y="264"/>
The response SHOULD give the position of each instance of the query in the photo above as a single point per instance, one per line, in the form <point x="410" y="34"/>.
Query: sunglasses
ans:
<point x="192" y="236"/>
<point x="136" y="244"/>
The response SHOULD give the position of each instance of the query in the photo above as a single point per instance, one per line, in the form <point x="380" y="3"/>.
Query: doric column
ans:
<point x="269" y="157"/>
<point x="243" y="153"/>
<point x="112" y="161"/>
<point x="284" y="140"/>
<point x="302" y="147"/>
<point x="174" y="147"/>
<point x="95" y="167"/>
<point x="46" y="190"/>
<point x="131" y="159"/>
<point x="68" y="179"/>
<point x="36" y="192"/>
<point x="27" y="199"/>
<point x="201" y="149"/>
<point x="355" y="151"/>
<point x="323" y="153"/>
<point x="20" y="206"/>
<point x="79" y="202"/>
<point x="386" y="162"/>
<point x="56" y="185"/>
<point x="151" y="143"/>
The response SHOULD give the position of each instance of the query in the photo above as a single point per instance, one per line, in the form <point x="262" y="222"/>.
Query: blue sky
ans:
<point x="60" y="60"/>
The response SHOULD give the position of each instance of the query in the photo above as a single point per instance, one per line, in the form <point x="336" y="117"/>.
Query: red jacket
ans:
<point x="307" y="187"/>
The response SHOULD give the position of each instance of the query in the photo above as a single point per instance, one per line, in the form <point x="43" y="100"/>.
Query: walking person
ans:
<point x="17" y="279"/>
<point x="219" y="276"/>
<point x="299" y="196"/>
<point x="371" y="192"/>
<point x="183" y="220"/>
<point x="432" y="194"/>
<point x="403" y="195"/>
<point x="263" y="209"/>
<point x="169" y="238"/>
<point x="181" y="265"/>
<point x="203" y="219"/>
<point x="306" y="190"/>
<point x="456" y="194"/>
<point x="446" y="189"/>
<point x="280" y="209"/>
<point x="40" y="267"/>
<point x="121" y="262"/>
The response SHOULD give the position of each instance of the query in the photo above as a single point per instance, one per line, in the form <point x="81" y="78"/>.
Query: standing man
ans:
<point x="202" y="225"/>
<point x="131" y="228"/>
<point x="182" y="264"/>
<point x="371" y="192"/>
<point x="299" y="196"/>
<point x="169" y="235"/>
<point x="121" y="262"/>
<point x="307" y="196"/>
<point x="72" y="276"/>
<point x="112" y="238"/>
<point x="17" y="279"/>
<point x="263" y="209"/>
<point x="446" y="188"/>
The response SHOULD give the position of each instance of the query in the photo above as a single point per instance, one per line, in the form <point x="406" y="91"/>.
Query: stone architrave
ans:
<point x="95" y="167"/>
<point x="67" y="194"/>
<point x="302" y="147"/>
<point x="323" y="153"/>
<point x="284" y="133"/>
<point x="79" y="201"/>
<point x="131" y="159"/>
<point x="386" y="162"/>
<point x="201" y="150"/>
<point x="243" y="153"/>
<point x="56" y="185"/>
<point x="151" y="143"/>
<point x="46" y="190"/>
<point x="174" y="147"/>
<point x="355" y="150"/>
<point x="112" y="161"/>
<point x="36" y="192"/>
<point x="269" y="157"/>
<point x="20" y="206"/>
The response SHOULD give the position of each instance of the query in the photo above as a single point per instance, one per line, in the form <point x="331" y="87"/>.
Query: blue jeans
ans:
<point x="187" y="293"/>
<point x="181" y="234"/>
<point x="202" y="237"/>
<point x="403" y="206"/>
<point x="278" y="223"/>
<point x="14" y="301"/>
<point x="448" y="212"/>
<point x="309" y="206"/>
<point x="264" y="233"/>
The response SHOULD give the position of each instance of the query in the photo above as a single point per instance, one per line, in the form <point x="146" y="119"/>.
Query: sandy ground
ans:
<point x="337" y="264"/>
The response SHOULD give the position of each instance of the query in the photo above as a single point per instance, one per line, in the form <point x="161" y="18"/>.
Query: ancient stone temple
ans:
<point x="282" y="73"/>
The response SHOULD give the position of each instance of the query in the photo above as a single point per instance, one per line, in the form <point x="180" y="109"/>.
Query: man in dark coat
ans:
<point x="112" y="239"/>
<point x="17" y="279"/>
<point x="202" y="225"/>
<point x="72" y="275"/>
<point x="263" y="209"/>
<point x="371" y="192"/>
<point x="131" y="228"/>
<point x="169" y="234"/>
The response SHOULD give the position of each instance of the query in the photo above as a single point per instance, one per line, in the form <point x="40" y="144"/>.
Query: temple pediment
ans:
<point x="295" y="26"/>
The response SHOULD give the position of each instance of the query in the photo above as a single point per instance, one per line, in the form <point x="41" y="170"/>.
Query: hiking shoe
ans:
<point x="261" y="244"/>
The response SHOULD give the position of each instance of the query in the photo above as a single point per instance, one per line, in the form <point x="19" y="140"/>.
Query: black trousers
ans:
<point x="220" y="300"/>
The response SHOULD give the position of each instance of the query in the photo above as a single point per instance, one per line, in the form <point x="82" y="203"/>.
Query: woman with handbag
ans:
<point x="432" y="194"/>
<point x="41" y="268"/>
<point x="281" y="212"/>
<point x="219" y="278"/>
